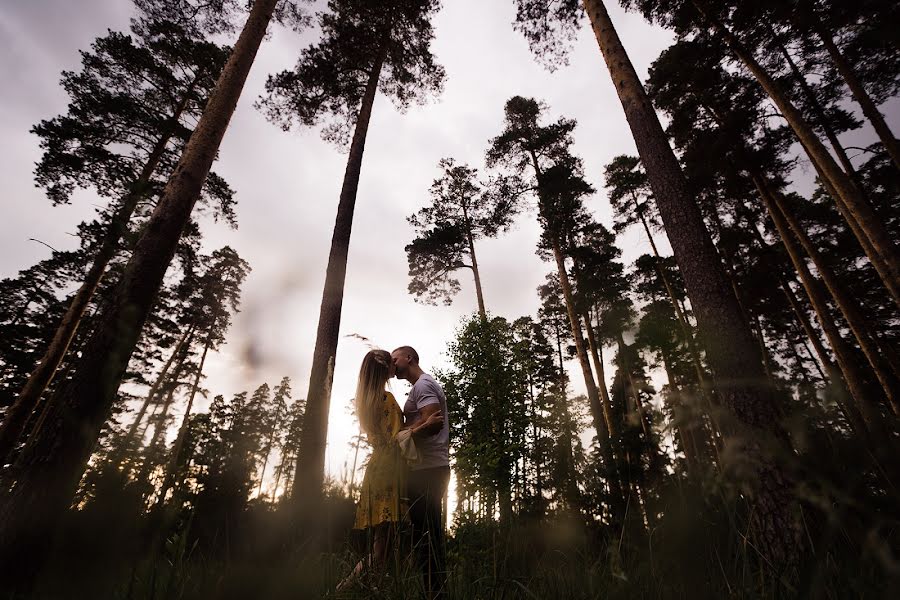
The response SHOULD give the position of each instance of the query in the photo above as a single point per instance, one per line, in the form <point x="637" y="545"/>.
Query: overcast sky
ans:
<point x="287" y="186"/>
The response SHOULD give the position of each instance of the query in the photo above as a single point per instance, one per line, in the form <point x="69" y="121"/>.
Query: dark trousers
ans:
<point x="426" y="490"/>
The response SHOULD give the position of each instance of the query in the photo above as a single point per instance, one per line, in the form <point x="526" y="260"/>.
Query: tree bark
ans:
<point x="17" y="414"/>
<point x="475" y="272"/>
<point x="50" y="471"/>
<point x="878" y="246"/>
<point x="310" y="473"/>
<point x="734" y="358"/>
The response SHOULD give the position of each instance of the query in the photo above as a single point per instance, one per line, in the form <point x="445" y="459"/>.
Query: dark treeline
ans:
<point x="738" y="433"/>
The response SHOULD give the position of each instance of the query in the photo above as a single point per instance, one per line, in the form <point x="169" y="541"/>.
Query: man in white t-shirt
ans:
<point x="427" y="481"/>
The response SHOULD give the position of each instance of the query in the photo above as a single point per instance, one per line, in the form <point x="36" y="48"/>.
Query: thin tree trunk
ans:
<point x="598" y="367"/>
<point x="702" y="384"/>
<point x="821" y="360"/>
<point x="734" y="358"/>
<point x="38" y="417"/>
<point x="17" y="414"/>
<point x="475" y="272"/>
<point x="865" y="243"/>
<point x="159" y="428"/>
<point x="884" y="255"/>
<point x="625" y="368"/>
<point x="824" y="365"/>
<point x="870" y="110"/>
<point x="504" y="497"/>
<point x="603" y="433"/>
<point x="804" y="373"/>
<point x="849" y="366"/>
<point x="269" y="444"/>
<point x="816" y="361"/>
<point x="684" y="424"/>
<point x="172" y="465"/>
<point x="310" y="471"/>
<point x="538" y="492"/>
<point x="763" y="348"/>
<point x="601" y="375"/>
<point x="185" y="341"/>
<point x="50" y="472"/>
<point x="816" y="107"/>
<point x="881" y="358"/>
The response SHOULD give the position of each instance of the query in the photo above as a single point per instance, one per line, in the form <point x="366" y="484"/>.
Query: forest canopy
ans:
<point x="648" y="250"/>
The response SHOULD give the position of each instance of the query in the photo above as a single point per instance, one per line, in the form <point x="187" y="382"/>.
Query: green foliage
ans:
<point x="486" y="400"/>
<point x="549" y="28"/>
<point x="327" y="85"/>
<point x="462" y="211"/>
<point x="628" y="190"/>
<point x="132" y="93"/>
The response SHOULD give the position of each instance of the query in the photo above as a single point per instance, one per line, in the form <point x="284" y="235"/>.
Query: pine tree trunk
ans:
<point x="603" y="433"/>
<point x="172" y="465"/>
<point x="824" y="365"/>
<point x="538" y="490"/>
<point x="821" y="359"/>
<point x="601" y="375"/>
<point x="598" y="367"/>
<point x="684" y="424"/>
<point x="870" y="110"/>
<point x="816" y="361"/>
<point x="853" y="375"/>
<point x="159" y="430"/>
<point x="702" y="384"/>
<point x="475" y="272"/>
<point x="734" y="358"/>
<point x="504" y="498"/>
<point x="269" y="444"/>
<point x="310" y="473"/>
<point x="17" y="414"/>
<point x="868" y="249"/>
<point x="824" y="358"/>
<point x="625" y="369"/>
<point x="881" y="357"/>
<point x="763" y="348"/>
<point x="618" y="508"/>
<point x="185" y="341"/>
<point x="50" y="472"/>
<point x="816" y="107"/>
<point x="880" y="248"/>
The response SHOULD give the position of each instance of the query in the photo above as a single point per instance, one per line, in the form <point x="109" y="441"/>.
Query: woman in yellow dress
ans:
<point x="381" y="503"/>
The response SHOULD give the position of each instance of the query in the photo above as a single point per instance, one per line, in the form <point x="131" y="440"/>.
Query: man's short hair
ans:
<point x="409" y="350"/>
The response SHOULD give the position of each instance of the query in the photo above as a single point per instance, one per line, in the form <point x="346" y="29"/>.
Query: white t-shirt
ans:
<point x="434" y="449"/>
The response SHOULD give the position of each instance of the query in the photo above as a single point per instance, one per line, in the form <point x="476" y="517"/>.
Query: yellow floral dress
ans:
<point x="384" y="485"/>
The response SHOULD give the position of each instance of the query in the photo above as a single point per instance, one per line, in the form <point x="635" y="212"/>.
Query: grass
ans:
<point x="693" y="551"/>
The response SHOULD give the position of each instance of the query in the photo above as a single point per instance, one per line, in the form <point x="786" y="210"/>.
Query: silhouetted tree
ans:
<point x="364" y="45"/>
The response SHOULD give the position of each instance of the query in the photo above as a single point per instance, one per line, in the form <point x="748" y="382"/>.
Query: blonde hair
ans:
<point x="373" y="375"/>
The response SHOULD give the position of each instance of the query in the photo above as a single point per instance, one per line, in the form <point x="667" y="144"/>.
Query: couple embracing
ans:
<point x="407" y="475"/>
